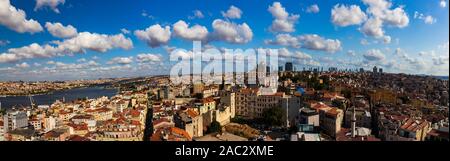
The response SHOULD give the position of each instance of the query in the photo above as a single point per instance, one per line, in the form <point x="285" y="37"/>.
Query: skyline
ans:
<point x="70" y="39"/>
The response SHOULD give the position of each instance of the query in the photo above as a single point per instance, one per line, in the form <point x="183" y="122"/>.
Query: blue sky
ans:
<point x="412" y="37"/>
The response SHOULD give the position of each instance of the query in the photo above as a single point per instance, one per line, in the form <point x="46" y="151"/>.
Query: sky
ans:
<point x="85" y="39"/>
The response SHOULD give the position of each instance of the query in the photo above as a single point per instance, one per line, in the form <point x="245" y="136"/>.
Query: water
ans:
<point x="48" y="99"/>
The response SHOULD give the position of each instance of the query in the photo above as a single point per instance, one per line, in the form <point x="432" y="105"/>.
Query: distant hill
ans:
<point x="441" y="77"/>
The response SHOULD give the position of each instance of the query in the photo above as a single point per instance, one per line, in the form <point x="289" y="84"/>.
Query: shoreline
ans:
<point x="49" y="98"/>
<point x="52" y="91"/>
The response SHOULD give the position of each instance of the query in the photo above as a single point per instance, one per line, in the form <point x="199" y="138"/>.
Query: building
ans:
<point x="101" y="114"/>
<point x="35" y="123"/>
<point x="21" y="134"/>
<point x="414" y="129"/>
<point x="330" y="119"/>
<point x="198" y="88"/>
<point x="15" y="119"/>
<point x="308" y="117"/>
<point x="375" y="70"/>
<point x="190" y="121"/>
<point x="2" y="132"/>
<point x="120" y="130"/>
<point x="170" y="134"/>
<point x="290" y="104"/>
<point x="56" y="135"/>
<point x="363" y="117"/>
<point x="49" y="123"/>
<point x="245" y="98"/>
<point x="289" y="67"/>
<point x="221" y="137"/>
<point x="210" y="91"/>
<point x="251" y="104"/>
<point x="204" y="105"/>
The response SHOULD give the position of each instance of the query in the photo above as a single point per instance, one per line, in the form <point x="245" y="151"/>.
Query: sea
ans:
<point x="68" y="95"/>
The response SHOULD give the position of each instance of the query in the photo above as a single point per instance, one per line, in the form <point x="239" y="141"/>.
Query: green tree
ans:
<point x="214" y="127"/>
<point x="347" y="93"/>
<point x="273" y="116"/>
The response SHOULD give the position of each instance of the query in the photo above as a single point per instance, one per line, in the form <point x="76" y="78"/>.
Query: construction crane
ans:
<point x="32" y="103"/>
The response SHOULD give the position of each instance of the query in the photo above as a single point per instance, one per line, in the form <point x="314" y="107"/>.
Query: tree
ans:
<point x="214" y="127"/>
<point x="273" y="116"/>
<point x="347" y="93"/>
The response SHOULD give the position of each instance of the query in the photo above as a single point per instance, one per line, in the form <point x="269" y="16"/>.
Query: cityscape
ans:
<point x="362" y="78"/>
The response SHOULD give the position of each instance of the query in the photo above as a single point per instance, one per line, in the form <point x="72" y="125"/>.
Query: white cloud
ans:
<point x="196" y="14"/>
<point x="428" y="19"/>
<point x="232" y="13"/>
<point x="15" y="19"/>
<point x="313" y="9"/>
<point x="60" y="31"/>
<point x="351" y="53"/>
<point x="301" y="55"/>
<point x="196" y="32"/>
<point x="23" y="65"/>
<point x="79" y="44"/>
<point x="121" y="60"/>
<point x="154" y="35"/>
<point x="285" y="40"/>
<point x="231" y="32"/>
<point x="381" y="9"/>
<point x="387" y="39"/>
<point x="283" y="52"/>
<point x="183" y="54"/>
<point x="95" y="42"/>
<point x="283" y="22"/>
<point x="125" y="31"/>
<point x="443" y="3"/>
<point x="307" y="41"/>
<point x="53" y="4"/>
<point x="37" y="64"/>
<point x="315" y="42"/>
<point x="374" y="55"/>
<point x="81" y="60"/>
<point x="148" y="58"/>
<point x="145" y="14"/>
<point x="4" y="42"/>
<point x="364" y="42"/>
<point x="342" y="15"/>
<point x="378" y="14"/>
<point x="440" y="60"/>
<point x="373" y="27"/>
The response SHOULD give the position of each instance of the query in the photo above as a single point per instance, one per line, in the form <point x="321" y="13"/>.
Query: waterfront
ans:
<point x="48" y="99"/>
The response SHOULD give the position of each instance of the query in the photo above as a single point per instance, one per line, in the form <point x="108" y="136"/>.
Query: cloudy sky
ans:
<point x="85" y="39"/>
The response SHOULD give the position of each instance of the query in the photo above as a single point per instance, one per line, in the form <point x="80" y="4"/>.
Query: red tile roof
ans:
<point x="180" y="132"/>
<point x="78" y="138"/>
<point x="207" y="100"/>
<point x="156" y="122"/>
<point x="414" y="125"/>
<point x="249" y="90"/>
<point x="192" y="113"/>
<point x="82" y="126"/>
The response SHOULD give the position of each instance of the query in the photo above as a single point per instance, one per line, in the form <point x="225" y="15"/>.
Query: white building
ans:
<point x="15" y="119"/>
<point x="49" y="123"/>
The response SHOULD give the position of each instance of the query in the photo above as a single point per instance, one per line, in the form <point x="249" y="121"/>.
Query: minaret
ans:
<point x="353" y="123"/>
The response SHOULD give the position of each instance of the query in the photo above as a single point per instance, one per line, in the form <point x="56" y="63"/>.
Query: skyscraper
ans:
<point x="375" y="70"/>
<point x="288" y="66"/>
